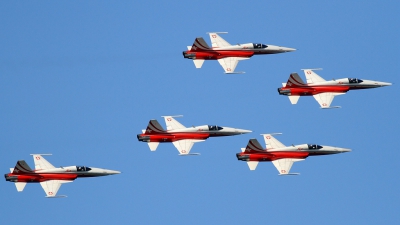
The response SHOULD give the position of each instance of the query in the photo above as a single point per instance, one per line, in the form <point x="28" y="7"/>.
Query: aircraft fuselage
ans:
<point x="243" y="51"/>
<point x="294" y="152"/>
<point x="62" y="173"/>
<point x="335" y="86"/>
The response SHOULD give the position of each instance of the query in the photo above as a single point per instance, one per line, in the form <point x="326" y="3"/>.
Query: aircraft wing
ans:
<point x="41" y="163"/>
<point x="218" y="41"/>
<point x="283" y="165"/>
<point x="229" y="63"/>
<point x="173" y="124"/>
<point x="325" y="99"/>
<point x="312" y="77"/>
<point x="272" y="142"/>
<point x="184" y="146"/>
<point x="51" y="187"/>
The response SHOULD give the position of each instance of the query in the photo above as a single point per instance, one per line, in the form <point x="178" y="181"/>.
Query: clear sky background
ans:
<point x="80" y="79"/>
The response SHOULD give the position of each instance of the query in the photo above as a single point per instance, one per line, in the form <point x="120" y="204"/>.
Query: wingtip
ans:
<point x="239" y="72"/>
<point x="190" y="154"/>
<point x="332" y="107"/>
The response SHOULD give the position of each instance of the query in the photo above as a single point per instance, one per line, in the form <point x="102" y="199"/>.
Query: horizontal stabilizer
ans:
<point x="294" y="99"/>
<point x="198" y="63"/>
<point x="252" y="165"/>
<point x="189" y="154"/>
<point x="20" y="186"/>
<point x="153" y="145"/>
<point x="289" y="174"/>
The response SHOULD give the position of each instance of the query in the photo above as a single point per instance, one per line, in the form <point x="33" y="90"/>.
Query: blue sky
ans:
<point x="80" y="79"/>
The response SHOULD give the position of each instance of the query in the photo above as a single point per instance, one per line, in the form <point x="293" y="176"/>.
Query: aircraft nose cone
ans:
<point x="243" y="131"/>
<point x="344" y="150"/>
<point x="111" y="171"/>
<point x="288" y="49"/>
<point x="385" y="84"/>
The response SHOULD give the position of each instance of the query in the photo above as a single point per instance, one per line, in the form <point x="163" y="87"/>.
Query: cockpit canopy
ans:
<point x="83" y="168"/>
<point x="213" y="127"/>
<point x="258" y="45"/>
<point x="355" y="81"/>
<point x="313" y="146"/>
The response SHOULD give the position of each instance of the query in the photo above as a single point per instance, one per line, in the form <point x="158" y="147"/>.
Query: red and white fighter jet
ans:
<point x="282" y="156"/>
<point x="50" y="177"/>
<point x="227" y="55"/>
<point x="323" y="91"/>
<point x="183" y="137"/>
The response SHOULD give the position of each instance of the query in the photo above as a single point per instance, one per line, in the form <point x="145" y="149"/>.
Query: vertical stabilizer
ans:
<point x="154" y="127"/>
<point x="294" y="81"/>
<point x="199" y="45"/>
<point x="253" y="145"/>
<point x="21" y="167"/>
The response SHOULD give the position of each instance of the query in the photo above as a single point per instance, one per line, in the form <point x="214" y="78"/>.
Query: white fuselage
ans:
<point x="225" y="131"/>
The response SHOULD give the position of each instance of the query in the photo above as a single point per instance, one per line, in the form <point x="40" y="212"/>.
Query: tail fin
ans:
<point x="154" y="127"/>
<point x="294" y="81"/>
<point x="21" y="167"/>
<point x="199" y="45"/>
<point x="253" y="146"/>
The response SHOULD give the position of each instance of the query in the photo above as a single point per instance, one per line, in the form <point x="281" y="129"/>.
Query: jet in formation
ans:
<point x="227" y="55"/>
<point x="323" y="91"/>
<point x="282" y="156"/>
<point x="50" y="177"/>
<point x="183" y="137"/>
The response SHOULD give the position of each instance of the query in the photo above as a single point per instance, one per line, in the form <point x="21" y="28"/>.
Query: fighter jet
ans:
<point x="282" y="156"/>
<point x="323" y="91"/>
<point x="50" y="177"/>
<point x="183" y="137"/>
<point x="227" y="55"/>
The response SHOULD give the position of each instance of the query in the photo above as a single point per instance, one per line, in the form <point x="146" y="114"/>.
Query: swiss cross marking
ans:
<point x="268" y="137"/>
<point x="283" y="171"/>
<point x="50" y="193"/>
<point x="308" y="72"/>
<point x="37" y="158"/>
<point x="214" y="36"/>
<point x="183" y="151"/>
<point x="169" y="119"/>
